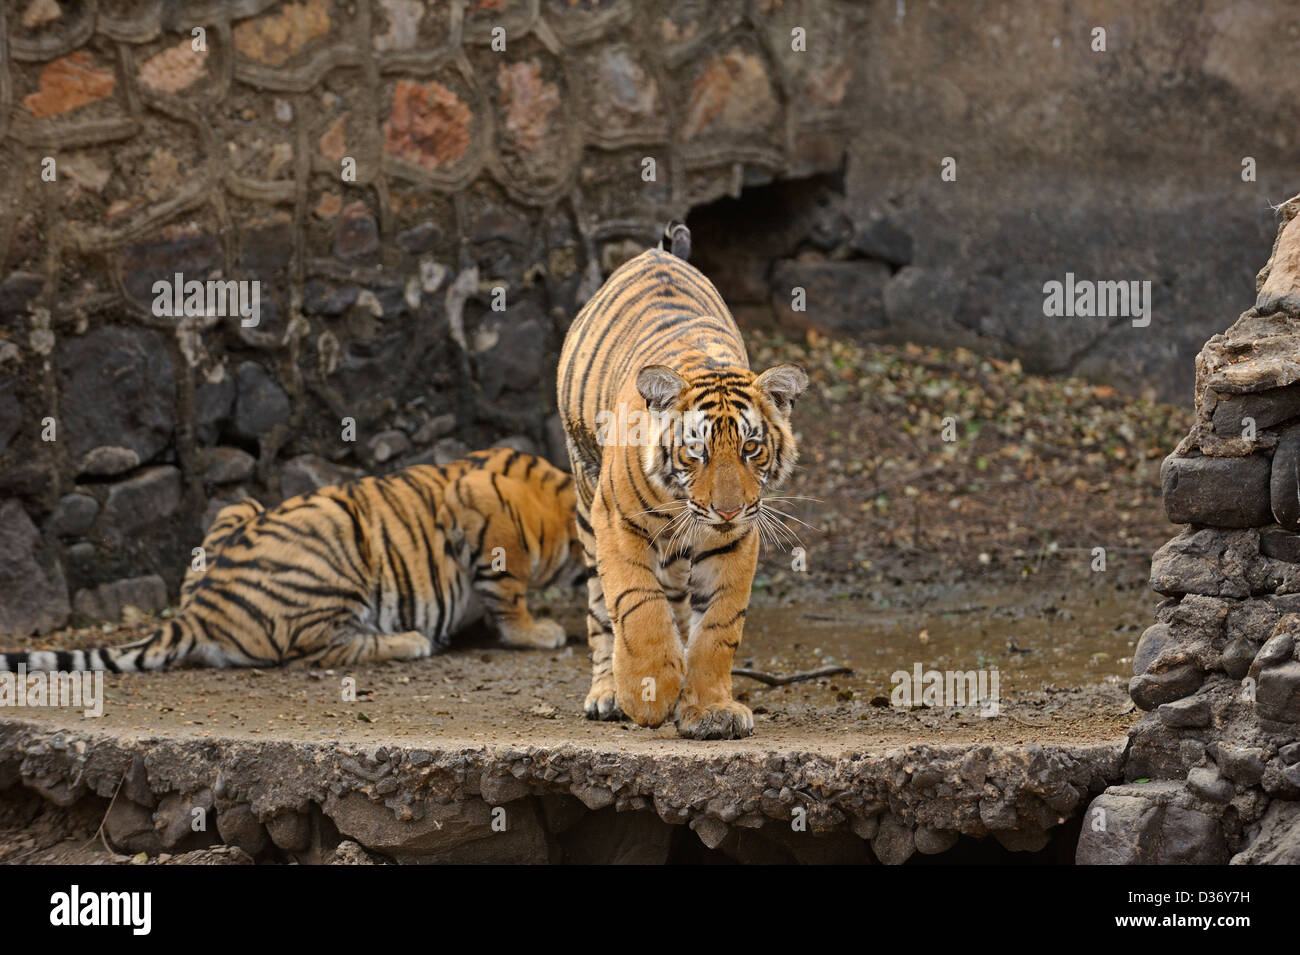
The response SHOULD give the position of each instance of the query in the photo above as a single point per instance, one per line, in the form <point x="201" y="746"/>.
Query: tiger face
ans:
<point x="722" y="437"/>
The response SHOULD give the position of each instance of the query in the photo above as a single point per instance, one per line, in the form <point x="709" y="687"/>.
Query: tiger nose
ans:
<point x="727" y="513"/>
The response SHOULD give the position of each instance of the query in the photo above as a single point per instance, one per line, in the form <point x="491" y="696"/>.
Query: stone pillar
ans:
<point x="1219" y="672"/>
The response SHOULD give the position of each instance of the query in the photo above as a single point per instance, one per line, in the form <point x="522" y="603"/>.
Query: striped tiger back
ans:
<point x="375" y="569"/>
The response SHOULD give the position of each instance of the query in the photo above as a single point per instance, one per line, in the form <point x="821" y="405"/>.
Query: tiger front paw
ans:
<point x="649" y="700"/>
<point x="723" y="720"/>
<point x="545" y="634"/>
<point x="601" y="703"/>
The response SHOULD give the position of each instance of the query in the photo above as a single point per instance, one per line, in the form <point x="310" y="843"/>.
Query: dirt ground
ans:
<point x="976" y="553"/>
<point x="1062" y="668"/>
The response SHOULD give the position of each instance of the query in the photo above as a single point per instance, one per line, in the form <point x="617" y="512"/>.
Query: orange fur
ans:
<point x="668" y="516"/>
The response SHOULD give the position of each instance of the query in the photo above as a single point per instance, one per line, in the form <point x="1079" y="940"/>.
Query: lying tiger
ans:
<point x="669" y="514"/>
<point x="384" y="568"/>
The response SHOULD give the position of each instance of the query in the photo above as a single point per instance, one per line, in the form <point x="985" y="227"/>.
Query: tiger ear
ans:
<point x="783" y="384"/>
<point x="659" y="386"/>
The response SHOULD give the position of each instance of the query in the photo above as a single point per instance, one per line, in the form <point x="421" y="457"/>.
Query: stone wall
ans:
<point x="1214" y="766"/>
<point x="424" y="211"/>
<point x="524" y="170"/>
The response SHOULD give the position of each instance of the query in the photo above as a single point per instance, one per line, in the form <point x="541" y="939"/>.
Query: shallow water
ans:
<point x="1034" y="638"/>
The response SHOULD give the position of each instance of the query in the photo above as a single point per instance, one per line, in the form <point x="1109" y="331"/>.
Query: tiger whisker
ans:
<point x="676" y="521"/>
<point x="669" y="508"/>
<point x="779" y="530"/>
<point x="792" y="517"/>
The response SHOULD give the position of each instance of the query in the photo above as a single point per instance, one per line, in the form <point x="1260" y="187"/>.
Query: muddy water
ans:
<point x="1034" y="639"/>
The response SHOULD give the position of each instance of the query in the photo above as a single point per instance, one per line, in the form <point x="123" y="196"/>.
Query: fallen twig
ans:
<point x="771" y="679"/>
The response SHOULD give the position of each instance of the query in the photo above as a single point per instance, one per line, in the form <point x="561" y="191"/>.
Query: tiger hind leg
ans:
<point x="504" y="599"/>
<point x="349" y="644"/>
<point x="601" y="702"/>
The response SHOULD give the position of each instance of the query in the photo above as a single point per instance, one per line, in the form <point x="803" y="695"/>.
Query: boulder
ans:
<point x="33" y="592"/>
<point x="1216" y="492"/>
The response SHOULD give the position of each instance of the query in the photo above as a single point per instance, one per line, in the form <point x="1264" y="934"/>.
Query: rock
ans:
<point x="387" y="445"/>
<point x="1217" y="492"/>
<point x="290" y="831"/>
<point x="185" y="818"/>
<point x="275" y="38"/>
<point x="1289" y="754"/>
<point x="895" y="842"/>
<point x="1191" y="752"/>
<point x="1142" y="824"/>
<point x="239" y="827"/>
<point x="593" y="797"/>
<point x="732" y="92"/>
<point x="72" y="516"/>
<point x="152" y="495"/>
<point x="1284" y="483"/>
<point x="1278" y="840"/>
<point x="129" y="828"/>
<point x="226" y="465"/>
<point x="214" y="400"/>
<point x="1279" y="544"/>
<point x="1266" y="408"/>
<point x="33" y="592"/>
<point x="357" y="232"/>
<point x="1152" y="689"/>
<point x="1237" y="657"/>
<point x="882" y="238"/>
<point x="922" y="300"/>
<point x="457" y="832"/>
<point x="448" y="450"/>
<point x="436" y="427"/>
<point x="1243" y="764"/>
<point x="1208" y="784"/>
<point x="1023" y="840"/>
<point x="428" y="125"/>
<point x="260" y="403"/>
<point x="107" y="601"/>
<point x="108" y="460"/>
<point x="1155" y="640"/>
<point x="514" y="362"/>
<point x="68" y="83"/>
<point x="1188" y="713"/>
<point x="1210" y="562"/>
<point x="1277" y="697"/>
<point x="839" y="297"/>
<point x="1191" y="837"/>
<point x="1276" y="649"/>
<point x="117" y="389"/>
<point x="626" y="95"/>
<point x="135" y="783"/>
<point x="830" y="229"/>
<point x="420" y="239"/>
<point x="497" y="790"/>
<point x="865" y="827"/>
<point x="1281" y="289"/>
<point x="711" y="831"/>
<point x="348" y="852"/>
<point x="931" y="842"/>
<point x="307" y="472"/>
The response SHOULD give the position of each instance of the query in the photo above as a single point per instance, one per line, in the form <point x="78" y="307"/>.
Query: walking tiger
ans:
<point x="383" y="568"/>
<point x="670" y="513"/>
